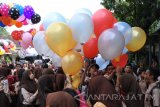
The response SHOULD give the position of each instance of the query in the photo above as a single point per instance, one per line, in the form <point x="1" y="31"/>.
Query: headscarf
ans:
<point x="101" y="87"/>
<point x="60" y="99"/>
<point x="131" y="88"/>
<point x="27" y="83"/>
<point x="45" y="86"/>
<point x="60" y="81"/>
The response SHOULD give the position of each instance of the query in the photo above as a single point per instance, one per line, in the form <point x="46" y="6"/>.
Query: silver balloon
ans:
<point x="125" y="29"/>
<point x="101" y="62"/>
<point x="81" y="26"/>
<point x="40" y="44"/>
<point x="111" y="44"/>
<point x="56" y="60"/>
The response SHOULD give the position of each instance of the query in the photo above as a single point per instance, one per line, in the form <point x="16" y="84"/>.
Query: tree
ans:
<point x="141" y="13"/>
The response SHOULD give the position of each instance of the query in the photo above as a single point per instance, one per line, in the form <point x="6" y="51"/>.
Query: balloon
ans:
<point x="84" y="11"/>
<point x="56" y="60"/>
<point x="6" y="20"/>
<point x="82" y="27"/>
<point x="122" y="61"/>
<point x="2" y="51"/>
<point x="36" y="18"/>
<point x="52" y="18"/>
<point x="59" y="38"/>
<point x="24" y="45"/>
<point x="16" y="35"/>
<point x="1" y="24"/>
<point x="76" y="79"/>
<point x="125" y="29"/>
<point x="25" y="22"/>
<point x="111" y="44"/>
<point x="78" y="48"/>
<point x="90" y="48"/>
<point x="4" y="9"/>
<point x="14" y="13"/>
<point x="40" y="44"/>
<point x="115" y="20"/>
<point x="72" y="63"/>
<point x="41" y="28"/>
<point x="28" y="11"/>
<point x="138" y="39"/>
<point x="20" y="8"/>
<point x="18" y="24"/>
<point x="26" y="38"/>
<point x="101" y="62"/>
<point x="102" y="19"/>
<point x="21" y="18"/>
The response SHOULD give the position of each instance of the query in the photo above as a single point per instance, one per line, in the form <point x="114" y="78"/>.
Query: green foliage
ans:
<point x="142" y="13"/>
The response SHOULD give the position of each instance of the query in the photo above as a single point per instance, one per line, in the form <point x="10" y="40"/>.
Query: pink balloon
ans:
<point x="4" y="9"/>
<point x="25" y="22"/>
<point x="25" y="46"/>
<point x="21" y="18"/>
<point x="26" y="38"/>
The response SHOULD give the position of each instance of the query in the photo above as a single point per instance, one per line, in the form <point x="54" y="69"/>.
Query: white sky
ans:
<point x="66" y="7"/>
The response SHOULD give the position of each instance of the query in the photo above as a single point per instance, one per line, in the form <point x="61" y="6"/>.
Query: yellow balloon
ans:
<point x="76" y="80"/>
<point x="2" y="51"/>
<point x="72" y="63"/>
<point x="59" y="38"/>
<point x="138" y="39"/>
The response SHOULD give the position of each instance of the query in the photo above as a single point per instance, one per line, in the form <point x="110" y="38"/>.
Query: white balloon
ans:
<point x="81" y="26"/>
<point x="56" y="60"/>
<point x="111" y="44"/>
<point x="85" y="11"/>
<point x="52" y="18"/>
<point x="125" y="50"/>
<point x="101" y="62"/>
<point x="79" y="48"/>
<point x="40" y="44"/>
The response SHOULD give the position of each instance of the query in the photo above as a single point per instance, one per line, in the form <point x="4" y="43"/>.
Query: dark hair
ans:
<point x="37" y="72"/>
<point x="73" y="93"/>
<point x="27" y="83"/>
<point x="110" y="64"/>
<point x="60" y="70"/>
<point x="154" y="73"/>
<point x="4" y="71"/>
<point x="45" y="86"/>
<point x="47" y="71"/>
<point x="94" y="66"/>
<point x="60" y="81"/>
<point x="20" y="74"/>
<point x="130" y="65"/>
<point x="141" y="70"/>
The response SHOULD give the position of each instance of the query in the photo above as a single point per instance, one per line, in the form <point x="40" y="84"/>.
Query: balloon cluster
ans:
<point x="6" y="46"/>
<point x="17" y="15"/>
<point x="99" y="36"/>
<point x="25" y="38"/>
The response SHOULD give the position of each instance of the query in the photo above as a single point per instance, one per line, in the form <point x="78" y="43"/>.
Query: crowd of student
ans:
<point x="34" y="85"/>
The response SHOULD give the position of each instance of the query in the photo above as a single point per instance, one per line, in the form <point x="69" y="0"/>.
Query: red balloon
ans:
<point x="16" y="35"/>
<point x="121" y="62"/>
<point x="90" y="48"/>
<point x="102" y="19"/>
<point x="41" y="28"/>
<point x="115" y="20"/>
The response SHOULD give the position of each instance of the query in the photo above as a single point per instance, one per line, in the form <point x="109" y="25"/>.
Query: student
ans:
<point x="152" y="96"/>
<point x="29" y="89"/>
<point x="46" y="85"/>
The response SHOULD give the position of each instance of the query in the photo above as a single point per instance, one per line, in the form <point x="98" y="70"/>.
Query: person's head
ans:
<point x="73" y="93"/>
<point x="93" y="70"/>
<point x="109" y="69"/>
<point x="59" y="70"/>
<point x="151" y="75"/>
<point x="28" y="81"/>
<point x="37" y="72"/>
<point x="86" y="63"/>
<point x="142" y="73"/>
<point x="45" y="86"/>
<point x="128" y="68"/>
<point x="59" y="81"/>
<point x="4" y="71"/>
<point x="47" y="71"/>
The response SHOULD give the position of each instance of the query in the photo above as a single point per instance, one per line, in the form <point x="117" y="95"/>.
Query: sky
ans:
<point x="65" y="7"/>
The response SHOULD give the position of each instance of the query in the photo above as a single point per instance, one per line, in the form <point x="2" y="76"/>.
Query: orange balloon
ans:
<point x="33" y="32"/>
<point x="6" y="20"/>
<point x="18" y="24"/>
